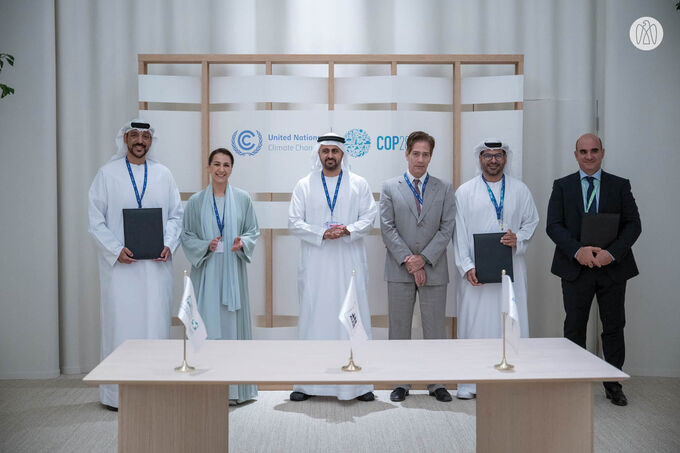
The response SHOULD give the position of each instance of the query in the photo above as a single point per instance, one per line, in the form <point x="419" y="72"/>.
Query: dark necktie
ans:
<point x="589" y="193"/>
<point x="415" y="183"/>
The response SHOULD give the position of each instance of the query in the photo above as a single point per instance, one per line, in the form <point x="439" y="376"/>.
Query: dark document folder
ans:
<point x="599" y="230"/>
<point x="143" y="230"/>
<point x="491" y="257"/>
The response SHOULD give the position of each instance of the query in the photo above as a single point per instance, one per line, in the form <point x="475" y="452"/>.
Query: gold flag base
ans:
<point x="504" y="365"/>
<point x="184" y="367"/>
<point x="351" y="366"/>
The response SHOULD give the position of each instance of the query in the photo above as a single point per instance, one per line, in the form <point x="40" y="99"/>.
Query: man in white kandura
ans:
<point x="491" y="202"/>
<point x="331" y="211"/>
<point x="135" y="294"/>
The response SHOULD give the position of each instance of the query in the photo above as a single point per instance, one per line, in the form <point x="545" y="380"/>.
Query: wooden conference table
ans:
<point x="545" y="404"/>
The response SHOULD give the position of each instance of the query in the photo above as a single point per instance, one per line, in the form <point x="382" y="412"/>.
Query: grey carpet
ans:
<point x="64" y="415"/>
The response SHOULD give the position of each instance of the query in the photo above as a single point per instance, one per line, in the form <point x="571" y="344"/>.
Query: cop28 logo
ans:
<point x="244" y="142"/>
<point x="646" y="33"/>
<point x="357" y="142"/>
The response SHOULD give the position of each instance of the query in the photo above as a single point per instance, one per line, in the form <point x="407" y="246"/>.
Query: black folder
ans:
<point x="599" y="230"/>
<point x="143" y="229"/>
<point x="491" y="257"/>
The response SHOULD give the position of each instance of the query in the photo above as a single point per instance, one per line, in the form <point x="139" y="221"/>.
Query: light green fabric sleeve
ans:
<point x="249" y="230"/>
<point x="195" y="248"/>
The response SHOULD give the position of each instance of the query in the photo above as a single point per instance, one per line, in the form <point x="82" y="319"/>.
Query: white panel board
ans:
<point x="423" y="90"/>
<point x="269" y="88"/>
<point x="286" y="256"/>
<point x="275" y="148"/>
<point x="505" y="125"/>
<point x="178" y="145"/>
<point x="364" y="90"/>
<point x="387" y="89"/>
<point x="496" y="89"/>
<point x="164" y="88"/>
<point x="271" y="214"/>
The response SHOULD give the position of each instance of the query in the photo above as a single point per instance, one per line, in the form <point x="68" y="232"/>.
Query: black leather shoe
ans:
<point x="398" y="394"/>
<point x="298" y="396"/>
<point x="368" y="396"/>
<point x="442" y="395"/>
<point x="111" y="408"/>
<point x="617" y="396"/>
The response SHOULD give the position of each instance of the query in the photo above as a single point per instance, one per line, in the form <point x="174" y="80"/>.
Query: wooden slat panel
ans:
<point x="457" y="161"/>
<point x="205" y="120"/>
<point x="519" y="69"/>
<point x="142" y="69"/>
<point x="325" y="58"/>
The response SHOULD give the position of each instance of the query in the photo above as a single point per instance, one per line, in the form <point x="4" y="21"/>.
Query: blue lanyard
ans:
<point x="134" y="184"/>
<point x="220" y="224"/>
<point x="420" y="197"/>
<point x="331" y="206"/>
<point x="497" y="207"/>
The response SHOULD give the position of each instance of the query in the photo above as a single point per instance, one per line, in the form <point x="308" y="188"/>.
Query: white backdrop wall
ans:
<point x="29" y="302"/>
<point x="577" y="57"/>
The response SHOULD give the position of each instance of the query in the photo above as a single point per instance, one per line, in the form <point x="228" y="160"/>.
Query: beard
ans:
<point x="138" y="150"/>
<point x="493" y="170"/>
<point x="330" y="164"/>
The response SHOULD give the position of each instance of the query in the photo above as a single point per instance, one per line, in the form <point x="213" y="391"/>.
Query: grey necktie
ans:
<point x="416" y="182"/>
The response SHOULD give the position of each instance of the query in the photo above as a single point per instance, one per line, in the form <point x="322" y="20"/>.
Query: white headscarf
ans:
<point x="492" y="143"/>
<point x="121" y="147"/>
<point x="330" y="139"/>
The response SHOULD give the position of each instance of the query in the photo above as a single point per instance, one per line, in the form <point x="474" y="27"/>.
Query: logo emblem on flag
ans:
<point x="188" y="313"/>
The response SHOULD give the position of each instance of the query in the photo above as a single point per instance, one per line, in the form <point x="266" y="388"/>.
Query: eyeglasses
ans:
<point x="134" y="134"/>
<point x="493" y="156"/>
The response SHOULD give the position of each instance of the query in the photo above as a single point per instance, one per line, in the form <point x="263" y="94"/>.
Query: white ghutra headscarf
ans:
<point x="141" y="126"/>
<point x="494" y="143"/>
<point x="329" y="139"/>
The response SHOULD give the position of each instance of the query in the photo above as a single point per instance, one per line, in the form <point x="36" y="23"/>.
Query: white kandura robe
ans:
<point x="136" y="298"/>
<point x="326" y="266"/>
<point x="479" y="307"/>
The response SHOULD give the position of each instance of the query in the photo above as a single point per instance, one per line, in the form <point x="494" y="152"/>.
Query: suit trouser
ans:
<point x="578" y="297"/>
<point x="401" y="302"/>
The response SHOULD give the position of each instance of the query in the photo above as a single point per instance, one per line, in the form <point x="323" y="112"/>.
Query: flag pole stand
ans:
<point x="504" y="365"/>
<point x="351" y="366"/>
<point x="184" y="367"/>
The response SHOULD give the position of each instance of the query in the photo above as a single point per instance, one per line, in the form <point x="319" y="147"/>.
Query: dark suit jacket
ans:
<point x="565" y="210"/>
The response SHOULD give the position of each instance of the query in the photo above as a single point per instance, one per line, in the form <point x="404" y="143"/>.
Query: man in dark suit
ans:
<point x="417" y="214"/>
<point x="588" y="271"/>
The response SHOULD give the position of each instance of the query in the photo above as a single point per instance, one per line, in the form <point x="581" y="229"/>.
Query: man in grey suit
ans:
<point x="417" y="214"/>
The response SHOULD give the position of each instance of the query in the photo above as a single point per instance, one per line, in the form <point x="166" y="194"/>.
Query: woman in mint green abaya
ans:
<point x="220" y="232"/>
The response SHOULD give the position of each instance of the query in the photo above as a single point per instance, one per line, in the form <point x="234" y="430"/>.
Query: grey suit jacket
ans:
<point x="405" y="233"/>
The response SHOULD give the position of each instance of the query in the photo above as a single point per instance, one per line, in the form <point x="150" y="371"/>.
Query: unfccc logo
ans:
<point x="357" y="142"/>
<point x="244" y="142"/>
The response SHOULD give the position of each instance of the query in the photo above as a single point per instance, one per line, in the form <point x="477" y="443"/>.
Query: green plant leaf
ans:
<point x="6" y="91"/>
